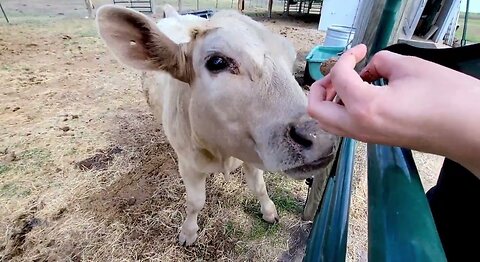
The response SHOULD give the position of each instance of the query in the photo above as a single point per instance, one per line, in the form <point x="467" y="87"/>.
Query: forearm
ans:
<point x="457" y="134"/>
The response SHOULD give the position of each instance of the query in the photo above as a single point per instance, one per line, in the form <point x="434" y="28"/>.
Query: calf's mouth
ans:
<point x="310" y="169"/>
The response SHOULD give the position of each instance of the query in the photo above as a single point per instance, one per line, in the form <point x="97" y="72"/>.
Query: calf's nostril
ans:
<point x="299" y="138"/>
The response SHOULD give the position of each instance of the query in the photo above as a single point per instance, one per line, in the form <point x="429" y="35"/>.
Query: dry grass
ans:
<point x="93" y="177"/>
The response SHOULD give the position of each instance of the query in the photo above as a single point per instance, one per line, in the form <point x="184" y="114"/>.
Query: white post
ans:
<point x="89" y="5"/>
<point x="153" y="6"/>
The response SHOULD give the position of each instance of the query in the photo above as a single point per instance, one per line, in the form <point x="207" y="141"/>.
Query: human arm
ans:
<point x="425" y="106"/>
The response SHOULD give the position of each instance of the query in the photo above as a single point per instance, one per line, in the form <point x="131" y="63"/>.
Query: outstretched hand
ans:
<point x="424" y="106"/>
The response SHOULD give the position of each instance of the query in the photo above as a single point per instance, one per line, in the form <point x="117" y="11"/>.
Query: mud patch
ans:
<point x="17" y="239"/>
<point x="297" y="243"/>
<point x="9" y="157"/>
<point x="99" y="161"/>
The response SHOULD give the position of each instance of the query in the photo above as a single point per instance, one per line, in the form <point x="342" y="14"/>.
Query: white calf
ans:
<point x="224" y="91"/>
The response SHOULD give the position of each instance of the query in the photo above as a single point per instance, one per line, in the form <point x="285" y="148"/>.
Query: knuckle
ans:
<point x="381" y="57"/>
<point x="334" y="71"/>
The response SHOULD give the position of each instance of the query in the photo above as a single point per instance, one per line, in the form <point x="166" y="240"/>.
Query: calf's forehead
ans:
<point x="236" y="41"/>
<point x="236" y="37"/>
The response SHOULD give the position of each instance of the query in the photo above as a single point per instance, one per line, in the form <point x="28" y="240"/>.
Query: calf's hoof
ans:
<point x="187" y="240"/>
<point x="271" y="218"/>
<point x="270" y="213"/>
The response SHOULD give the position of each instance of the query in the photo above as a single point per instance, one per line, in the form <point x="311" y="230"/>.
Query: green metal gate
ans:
<point x="400" y="224"/>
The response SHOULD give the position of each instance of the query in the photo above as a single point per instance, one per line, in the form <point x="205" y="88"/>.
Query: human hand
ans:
<point x="425" y="106"/>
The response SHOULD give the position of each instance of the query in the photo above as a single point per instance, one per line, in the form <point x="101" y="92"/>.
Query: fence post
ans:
<point x="3" y="11"/>
<point x="270" y="6"/>
<point x="316" y="193"/>
<point x="400" y="224"/>
<point x="89" y="6"/>
<point x="317" y="189"/>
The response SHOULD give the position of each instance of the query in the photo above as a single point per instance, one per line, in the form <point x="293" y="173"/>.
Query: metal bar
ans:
<point x="385" y="26"/>
<point x="4" y="14"/>
<point x="131" y="2"/>
<point x="288" y="7"/>
<point x="317" y="187"/>
<point x="139" y="5"/>
<point x="316" y="192"/>
<point x="328" y="238"/>
<point x="400" y="224"/>
<point x="465" y="23"/>
<point x="318" y="233"/>
<point x="270" y="6"/>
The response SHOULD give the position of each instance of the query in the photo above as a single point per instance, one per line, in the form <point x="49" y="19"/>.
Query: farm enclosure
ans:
<point x="86" y="174"/>
<point x="473" y="27"/>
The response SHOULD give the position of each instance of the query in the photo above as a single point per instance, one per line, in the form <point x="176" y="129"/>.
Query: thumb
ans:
<point x="331" y="116"/>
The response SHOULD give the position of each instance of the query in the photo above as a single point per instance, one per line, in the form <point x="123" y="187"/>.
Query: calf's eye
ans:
<point x="217" y="64"/>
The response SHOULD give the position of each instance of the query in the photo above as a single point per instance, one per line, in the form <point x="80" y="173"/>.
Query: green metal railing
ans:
<point x="400" y="224"/>
<point x="328" y="237"/>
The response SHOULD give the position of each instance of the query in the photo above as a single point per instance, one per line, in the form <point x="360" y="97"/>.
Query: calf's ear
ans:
<point x="136" y="41"/>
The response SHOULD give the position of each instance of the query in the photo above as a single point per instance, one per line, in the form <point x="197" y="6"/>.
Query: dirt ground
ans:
<point x="86" y="174"/>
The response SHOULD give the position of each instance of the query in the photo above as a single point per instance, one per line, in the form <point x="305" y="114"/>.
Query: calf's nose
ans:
<point x="301" y="138"/>
<point x="310" y="140"/>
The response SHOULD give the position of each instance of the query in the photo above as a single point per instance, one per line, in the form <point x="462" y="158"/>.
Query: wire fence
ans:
<point x="19" y="10"/>
<point x="249" y="5"/>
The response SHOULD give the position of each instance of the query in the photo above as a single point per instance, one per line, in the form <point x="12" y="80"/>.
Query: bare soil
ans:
<point x="87" y="174"/>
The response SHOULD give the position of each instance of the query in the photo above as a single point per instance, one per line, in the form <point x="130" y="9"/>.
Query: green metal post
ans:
<point x="465" y="23"/>
<point x="400" y="223"/>
<point x="328" y="237"/>
<point x="4" y="14"/>
<point x="385" y="26"/>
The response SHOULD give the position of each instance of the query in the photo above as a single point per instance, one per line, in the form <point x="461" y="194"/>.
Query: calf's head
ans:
<point x="245" y="101"/>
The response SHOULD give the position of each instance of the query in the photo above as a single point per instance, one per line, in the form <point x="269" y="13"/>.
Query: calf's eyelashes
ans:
<point x="218" y="63"/>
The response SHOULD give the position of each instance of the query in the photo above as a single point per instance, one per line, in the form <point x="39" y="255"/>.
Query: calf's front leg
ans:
<point x="195" y="187"/>
<point x="255" y="182"/>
